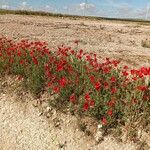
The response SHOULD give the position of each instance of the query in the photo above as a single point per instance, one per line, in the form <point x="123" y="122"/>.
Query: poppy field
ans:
<point x="113" y="93"/>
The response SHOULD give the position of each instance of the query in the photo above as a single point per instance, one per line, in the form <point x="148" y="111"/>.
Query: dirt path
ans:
<point x="121" y="40"/>
<point x="22" y="127"/>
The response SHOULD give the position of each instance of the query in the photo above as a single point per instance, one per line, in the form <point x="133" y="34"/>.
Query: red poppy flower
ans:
<point x="140" y="74"/>
<point x="111" y="103"/>
<point x="48" y="74"/>
<point x="106" y="85"/>
<point x="72" y="51"/>
<point x="134" y="78"/>
<point x="92" y="79"/>
<point x="87" y="96"/>
<point x="79" y="56"/>
<point x="125" y="67"/>
<point x="92" y="103"/>
<point x="8" y="53"/>
<point x="19" y="53"/>
<point x="72" y="98"/>
<point x="113" y="90"/>
<point x="85" y="106"/>
<point x="106" y="70"/>
<point x="88" y="58"/>
<point x="144" y="70"/>
<point x="133" y="71"/>
<point x="107" y="61"/>
<point x="125" y="73"/>
<point x="35" y="61"/>
<point x="31" y="53"/>
<point x="110" y="112"/>
<point x="49" y="84"/>
<point x="97" y="85"/>
<point x="56" y="89"/>
<point x="60" y="68"/>
<point x="61" y="65"/>
<point x="63" y="82"/>
<point x="104" y="121"/>
<point x="142" y="88"/>
<point x="81" y="51"/>
<point x="46" y="66"/>
<point x="22" y="62"/>
<point x="113" y="79"/>
<point x="115" y="62"/>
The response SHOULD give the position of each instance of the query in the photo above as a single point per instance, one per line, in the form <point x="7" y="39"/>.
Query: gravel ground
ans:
<point x="121" y="40"/>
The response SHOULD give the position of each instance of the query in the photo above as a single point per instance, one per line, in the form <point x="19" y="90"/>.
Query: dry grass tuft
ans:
<point x="145" y="43"/>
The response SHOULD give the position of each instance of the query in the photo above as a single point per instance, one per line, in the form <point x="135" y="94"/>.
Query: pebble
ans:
<point x="35" y="104"/>
<point x="139" y="133"/>
<point x="99" y="126"/>
<point x="3" y="95"/>
<point x="57" y="124"/>
<point x="48" y="115"/>
<point x="99" y="136"/>
<point x="40" y="114"/>
<point x="54" y="114"/>
<point x="48" y="109"/>
<point x="4" y="84"/>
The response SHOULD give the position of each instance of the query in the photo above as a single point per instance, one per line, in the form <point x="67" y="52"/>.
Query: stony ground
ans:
<point x="120" y="40"/>
<point x="23" y="121"/>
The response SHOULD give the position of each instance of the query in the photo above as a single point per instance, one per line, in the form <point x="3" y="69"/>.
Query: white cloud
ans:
<point x="83" y="6"/>
<point x="24" y="3"/>
<point x="5" y="7"/>
<point x="25" y="6"/>
<point x="47" y="7"/>
<point x="65" y="8"/>
<point x="82" y="9"/>
<point x="128" y="11"/>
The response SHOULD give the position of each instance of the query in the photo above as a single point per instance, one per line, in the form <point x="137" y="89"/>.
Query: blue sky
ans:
<point x="105" y="8"/>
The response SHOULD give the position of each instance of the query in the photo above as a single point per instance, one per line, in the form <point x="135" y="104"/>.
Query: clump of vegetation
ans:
<point x="114" y="95"/>
<point x="146" y="43"/>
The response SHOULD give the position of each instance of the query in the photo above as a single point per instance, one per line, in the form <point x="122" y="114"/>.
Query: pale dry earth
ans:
<point x="22" y="127"/>
<point x="113" y="39"/>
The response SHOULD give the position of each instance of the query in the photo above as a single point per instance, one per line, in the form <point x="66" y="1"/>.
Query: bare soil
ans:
<point x="24" y="124"/>
<point x="115" y="39"/>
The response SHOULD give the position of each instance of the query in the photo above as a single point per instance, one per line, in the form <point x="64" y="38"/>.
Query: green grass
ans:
<point x="42" y="13"/>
